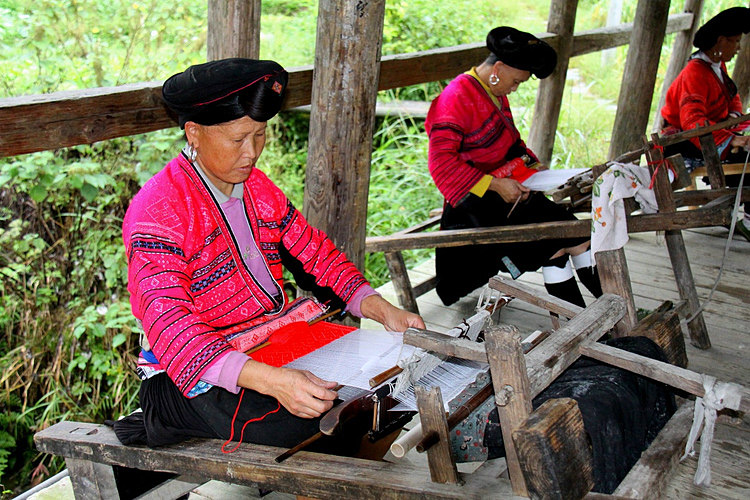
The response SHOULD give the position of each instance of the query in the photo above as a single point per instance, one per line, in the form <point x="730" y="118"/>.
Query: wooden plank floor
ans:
<point x="727" y="316"/>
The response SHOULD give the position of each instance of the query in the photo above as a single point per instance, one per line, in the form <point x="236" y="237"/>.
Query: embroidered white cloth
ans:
<point x="609" y="230"/>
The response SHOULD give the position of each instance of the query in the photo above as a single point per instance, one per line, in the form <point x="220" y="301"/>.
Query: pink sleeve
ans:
<point x="225" y="371"/>
<point x="361" y="294"/>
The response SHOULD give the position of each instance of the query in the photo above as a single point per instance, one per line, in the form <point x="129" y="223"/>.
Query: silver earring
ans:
<point x="192" y="153"/>
<point x="494" y="80"/>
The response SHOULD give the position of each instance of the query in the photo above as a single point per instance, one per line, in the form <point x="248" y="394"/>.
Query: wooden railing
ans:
<point x="69" y="118"/>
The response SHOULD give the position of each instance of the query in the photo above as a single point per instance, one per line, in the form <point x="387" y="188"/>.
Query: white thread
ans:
<point x="716" y="397"/>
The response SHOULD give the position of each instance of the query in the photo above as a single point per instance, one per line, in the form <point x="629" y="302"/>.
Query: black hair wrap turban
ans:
<point x="225" y="90"/>
<point x="522" y="50"/>
<point x="730" y="22"/>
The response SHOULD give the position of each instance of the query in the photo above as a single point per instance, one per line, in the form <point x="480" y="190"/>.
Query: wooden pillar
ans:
<point x="681" y="49"/>
<point x="342" y="118"/>
<point x="741" y="73"/>
<point x="639" y="77"/>
<point x="615" y="278"/>
<point x="233" y="29"/>
<point x="512" y="392"/>
<point x="433" y="420"/>
<point x="678" y="255"/>
<point x="562" y="19"/>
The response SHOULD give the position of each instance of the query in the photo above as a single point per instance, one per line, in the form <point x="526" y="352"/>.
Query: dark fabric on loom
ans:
<point x="622" y="412"/>
<point x="462" y="269"/>
<point x="169" y="417"/>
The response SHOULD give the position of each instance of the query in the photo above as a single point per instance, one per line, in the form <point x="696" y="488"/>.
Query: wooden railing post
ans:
<point x="562" y="19"/>
<point x="681" y="49"/>
<point x="342" y="119"/>
<point x="639" y="77"/>
<point x="233" y="29"/>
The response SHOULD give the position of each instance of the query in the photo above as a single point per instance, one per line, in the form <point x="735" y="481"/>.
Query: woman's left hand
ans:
<point x="391" y="317"/>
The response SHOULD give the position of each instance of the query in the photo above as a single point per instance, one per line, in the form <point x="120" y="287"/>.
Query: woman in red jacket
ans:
<point x="704" y="94"/>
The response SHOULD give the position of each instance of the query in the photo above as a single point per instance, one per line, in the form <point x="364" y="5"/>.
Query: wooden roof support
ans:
<point x="233" y="29"/>
<point x="639" y="77"/>
<point x="562" y="19"/>
<point x="741" y="74"/>
<point x="342" y="119"/>
<point x="681" y="49"/>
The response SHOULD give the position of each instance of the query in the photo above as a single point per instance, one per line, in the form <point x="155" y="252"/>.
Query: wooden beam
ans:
<point x="554" y="451"/>
<point x="549" y="96"/>
<point x="512" y="396"/>
<point x="533" y="296"/>
<point x="663" y="327"/>
<point x="69" y="118"/>
<point x="433" y="420"/>
<point x="660" y="371"/>
<point x="615" y="278"/>
<point x="639" y="77"/>
<point x="681" y="49"/>
<point x="233" y="29"/>
<point x="342" y="119"/>
<point x="92" y="480"/>
<point x="700" y="217"/>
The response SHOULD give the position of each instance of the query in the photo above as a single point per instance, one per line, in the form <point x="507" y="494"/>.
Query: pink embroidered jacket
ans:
<point x="469" y="137"/>
<point x="187" y="280"/>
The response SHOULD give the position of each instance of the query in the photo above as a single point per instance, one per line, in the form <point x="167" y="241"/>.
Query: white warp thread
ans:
<point x="716" y="397"/>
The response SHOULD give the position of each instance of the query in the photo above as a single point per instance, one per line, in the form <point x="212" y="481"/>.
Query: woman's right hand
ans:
<point x="509" y="189"/>
<point x="299" y="391"/>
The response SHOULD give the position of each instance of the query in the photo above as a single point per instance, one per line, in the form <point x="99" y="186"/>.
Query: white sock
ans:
<point x="554" y="274"/>
<point x="582" y="260"/>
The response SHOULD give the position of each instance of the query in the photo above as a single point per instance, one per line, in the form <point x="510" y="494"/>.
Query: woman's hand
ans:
<point x="740" y="141"/>
<point x="299" y="391"/>
<point x="509" y="189"/>
<point x="391" y="317"/>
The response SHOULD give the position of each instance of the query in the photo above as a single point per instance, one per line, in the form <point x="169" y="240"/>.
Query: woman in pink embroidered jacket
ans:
<point x="205" y="239"/>
<point x="478" y="162"/>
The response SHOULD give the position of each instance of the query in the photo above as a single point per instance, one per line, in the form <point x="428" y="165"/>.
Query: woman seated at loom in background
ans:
<point x="203" y="240"/>
<point x="704" y="94"/>
<point x="478" y="161"/>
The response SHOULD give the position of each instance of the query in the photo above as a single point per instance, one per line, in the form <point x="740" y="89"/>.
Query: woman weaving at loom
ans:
<point x="204" y="239"/>
<point x="478" y="162"/>
<point x="704" y="94"/>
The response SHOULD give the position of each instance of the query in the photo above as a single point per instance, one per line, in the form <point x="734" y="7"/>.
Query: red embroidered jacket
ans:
<point x="188" y="282"/>
<point x="469" y="137"/>
<point x="698" y="96"/>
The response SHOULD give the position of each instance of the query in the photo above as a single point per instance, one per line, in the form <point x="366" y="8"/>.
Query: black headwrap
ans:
<point x="730" y="22"/>
<point x="224" y="90"/>
<point x="522" y="50"/>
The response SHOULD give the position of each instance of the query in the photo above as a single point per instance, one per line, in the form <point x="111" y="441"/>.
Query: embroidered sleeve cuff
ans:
<point x="361" y="294"/>
<point x="481" y="187"/>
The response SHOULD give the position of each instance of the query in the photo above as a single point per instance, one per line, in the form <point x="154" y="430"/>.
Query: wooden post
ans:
<point x="741" y="73"/>
<point x="712" y="161"/>
<point x="681" y="49"/>
<point x="342" y="118"/>
<point x="615" y="278"/>
<point x="512" y="392"/>
<point x="233" y="29"/>
<point x="678" y="254"/>
<point x="562" y="19"/>
<point x="433" y="420"/>
<point x="555" y="452"/>
<point x="639" y="77"/>
<point x="92" y="480"/>
<point x="663" y="327"/>
<point x="401" y="281"/>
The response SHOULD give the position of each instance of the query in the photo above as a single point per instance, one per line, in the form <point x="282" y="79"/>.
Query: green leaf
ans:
<point x="38" y="193"/>
<point x="118" y="340"/>
<point x="89" y="192"/>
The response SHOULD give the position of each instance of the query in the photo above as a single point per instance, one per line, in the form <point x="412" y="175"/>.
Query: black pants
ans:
<point x="463" y="269"/>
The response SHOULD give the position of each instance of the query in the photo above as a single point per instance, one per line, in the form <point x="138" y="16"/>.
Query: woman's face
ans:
<point x="728" y="46"/>
<point x="510" y="78"/>
<point x="227" y="152"/>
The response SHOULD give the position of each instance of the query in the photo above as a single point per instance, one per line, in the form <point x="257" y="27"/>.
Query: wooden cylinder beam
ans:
<point x="342" y="119"/>
<point x="681" y="49"/>
<point x="562" y="19"/>
<point x="233" y="29"/>
<point x="639" y="77"/>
